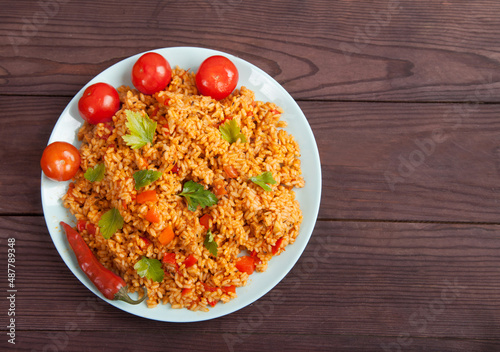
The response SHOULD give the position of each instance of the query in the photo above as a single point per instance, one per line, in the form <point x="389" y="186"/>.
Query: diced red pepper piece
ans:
<point x="246" y="264"/>
<point x="175" y="169"/>
<point x="185" y="291"/>
<point x="212" y="303"/>
<point x="190" y="261"/>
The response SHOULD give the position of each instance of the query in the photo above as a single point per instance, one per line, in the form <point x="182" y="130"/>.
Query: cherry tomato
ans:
<point x="217" y="77"/>
<point x="99" y="103"/>
<point x="151" y="73"/>
<point x="60" y="161"/>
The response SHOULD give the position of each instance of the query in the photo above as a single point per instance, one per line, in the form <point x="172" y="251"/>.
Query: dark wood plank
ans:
<point x="376" y="279"/>
<point x="384" y="50"/>
<point x="408" y="161"/>
<point x="26" y="126"/>
<point x="83" y="341"/>
<point x="436" y="162"/>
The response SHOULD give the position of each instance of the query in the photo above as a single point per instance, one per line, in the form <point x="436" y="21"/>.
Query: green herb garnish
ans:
<point x="142" y="129"/>
<point x="231" y="132"/>
<point x="196" y="195"/>
<point x="210" y="243"/>
<point x="263" y="179"/>
<point x="145" y="177"/>
<point x="150" y="268"/>
<point x="96" y="173"/>
<point x="110" y="222"/>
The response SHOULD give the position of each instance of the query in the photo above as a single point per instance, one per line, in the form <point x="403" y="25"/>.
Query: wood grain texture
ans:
<point x="403" y="99"/>
<point x="384" y="50"/>
<point x="379" y="161"/>
<point x="372" y="280"/>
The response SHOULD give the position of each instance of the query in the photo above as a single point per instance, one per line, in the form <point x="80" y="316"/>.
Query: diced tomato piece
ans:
<point x="212" y="303"/>
<point x="175" y="169"/>
<point x="152" y="215"/>
<point x="255" y="257"/>
<point x="169" y="258"/>
<point x="144" y="243"/>
<point x="229" y="289"/>
<point x="80" y="225"/>
<point x="91" y="228"/>
<point x="154" y="111"/>
<point x="231" y="172"/>
<point x="245" y="264"/>
<point x="86" y="225"/>
<point x="162" y="99"/>
<point x="146" y="196"/>
<point x="109" y="130"/>
<point x="209" y="288"/>
<point x="185" y="291"/>
<point x="190" y="261"/>
<point x="219" y="188"/>
<point x="205" y="221"/>
<point x="277" y="246"/>
<point x="226" y="118"/>
<point x="71" y="187"/>
<point x="165" y="129"/>
<point x="166" y="236"/>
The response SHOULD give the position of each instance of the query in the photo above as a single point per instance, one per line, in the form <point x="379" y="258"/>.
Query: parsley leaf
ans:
<point x="263" y="179"/>
<point x="196" y="195"/>
<point x="96" y="173"/>
<point x="231" y="132"/>
<point x="142" y="129"/>
<point x="150" y="268"/>
<point x="145" y="177"/>
<point x="110" y="222"/>
<point x="210" y="243"/>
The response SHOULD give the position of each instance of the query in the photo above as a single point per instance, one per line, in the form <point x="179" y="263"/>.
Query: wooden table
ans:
<point x="403" y="98"/>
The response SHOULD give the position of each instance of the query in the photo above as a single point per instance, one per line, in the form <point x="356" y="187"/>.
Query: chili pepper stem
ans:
<point x="122" y="295"/>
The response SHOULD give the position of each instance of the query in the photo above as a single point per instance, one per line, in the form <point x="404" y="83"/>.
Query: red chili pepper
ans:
<point x="107" y="282"/>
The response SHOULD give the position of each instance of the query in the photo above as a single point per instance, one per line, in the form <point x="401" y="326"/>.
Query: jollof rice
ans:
<point x="188" y="146"/>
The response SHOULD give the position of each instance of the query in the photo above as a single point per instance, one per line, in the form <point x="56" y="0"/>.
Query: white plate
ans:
<point x="266" y="89"/>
